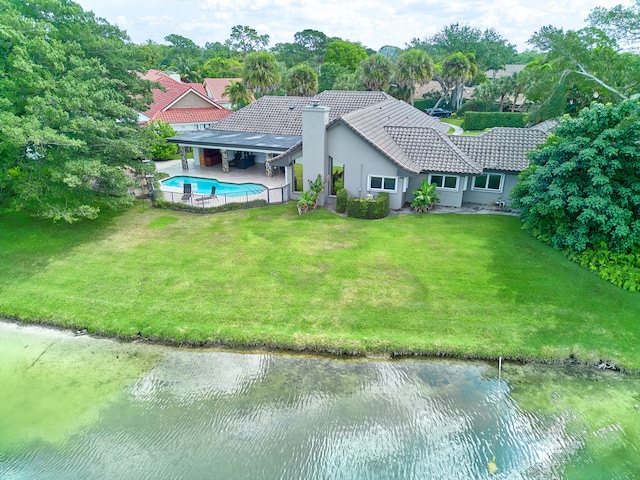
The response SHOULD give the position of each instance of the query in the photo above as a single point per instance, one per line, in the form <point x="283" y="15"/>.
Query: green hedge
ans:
<point x="369" y="208"/>
<point x="227" y="207"/>
<point x="482" y="120"/>
<point x="341" y="201"/>
<point x="477" y="106"/>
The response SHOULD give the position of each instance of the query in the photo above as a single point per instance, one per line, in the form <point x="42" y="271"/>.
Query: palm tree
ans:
<point x="188" y="69"/>
<point x="376" y="72"/>
<point x="238" y="94"/>
<point x="505" y="86"/>
<point x="457" y="69"/>
<point x="486" y="92"/>
<point x="414" y="67"/>
<point x="261" y="74"/>
<point x="521" y="81"/>
<point x="302" y="80"/>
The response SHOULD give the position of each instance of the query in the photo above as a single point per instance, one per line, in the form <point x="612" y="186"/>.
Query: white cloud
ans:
<point x="374" y="23"/>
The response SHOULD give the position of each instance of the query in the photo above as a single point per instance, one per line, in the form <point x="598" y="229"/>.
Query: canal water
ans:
<point x="75" y="407"/>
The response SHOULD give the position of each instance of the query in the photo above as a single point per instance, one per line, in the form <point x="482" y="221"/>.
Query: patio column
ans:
<point x="225" y="161"/>
<point x="267" y="164"/>
<point x="183" y="157"/>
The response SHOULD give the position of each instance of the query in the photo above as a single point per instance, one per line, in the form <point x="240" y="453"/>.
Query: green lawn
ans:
<point x="458" y="121"/>
<point x="468" y="285"/>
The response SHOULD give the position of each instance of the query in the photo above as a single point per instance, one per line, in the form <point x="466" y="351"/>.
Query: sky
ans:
<point x="373" y="23"/>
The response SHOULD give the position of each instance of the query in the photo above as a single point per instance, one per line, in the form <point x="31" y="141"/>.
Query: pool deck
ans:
<point x="255" y="174"/>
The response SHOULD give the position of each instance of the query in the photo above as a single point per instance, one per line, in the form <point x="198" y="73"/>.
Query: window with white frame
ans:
<point x="490" y="182"/>
<point x="445" y="182"/>
<point x="382" y="184"/>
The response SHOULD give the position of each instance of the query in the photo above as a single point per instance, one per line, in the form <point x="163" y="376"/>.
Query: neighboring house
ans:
<point x="185" y="106"/>
<point x="214" y="88"/>
<point x="505" y="72"/>
<point x="434" y="86"/>
<point x="373" y="142"/>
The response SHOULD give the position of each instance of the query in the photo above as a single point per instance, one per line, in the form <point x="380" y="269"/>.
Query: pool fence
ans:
<point x="210" y="203"/>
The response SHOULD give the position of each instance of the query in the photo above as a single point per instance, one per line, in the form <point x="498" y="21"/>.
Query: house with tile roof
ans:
<point x="214" y="87"/>
<point x="375" y="142"/>
<point x="185" y="106"/>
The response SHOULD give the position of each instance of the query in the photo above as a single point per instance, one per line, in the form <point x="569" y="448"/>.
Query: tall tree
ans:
<point x="315" y="43"/>
<point x="291" y="54"/>
<point x="493" y="52"/>
<point x="506" y="86"/>
<point x="261" y="74"/>
<point x="302" y="81"/>
<point x="246" y="39"/>
<point x="345" y="54"/>
<point x="391" y="52"/>
<point x="621" y="23"/>
<point x="221" y="67"/>
<point x="584" y="62"/>
<point x="582" y="189"/>
<point x="376" y="72"/>
<point x="160" y="148"/>
<point x="69" y="97"/>
<point x="455" y="71"/>
<point x="490" y="48"/>
<point x="329" y="73"/>
<point x="414" y="67"/>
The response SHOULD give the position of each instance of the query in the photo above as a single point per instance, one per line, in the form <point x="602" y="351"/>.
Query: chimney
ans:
<point x="314" y="146"/>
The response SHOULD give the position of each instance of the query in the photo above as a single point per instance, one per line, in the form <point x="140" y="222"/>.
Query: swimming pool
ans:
<point x="202" y="186"/>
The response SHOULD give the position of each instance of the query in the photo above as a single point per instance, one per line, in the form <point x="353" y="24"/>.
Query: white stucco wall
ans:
<point x="489" y="198"/>
<point x="361" y="160"/>
<point x="448" y="198"/>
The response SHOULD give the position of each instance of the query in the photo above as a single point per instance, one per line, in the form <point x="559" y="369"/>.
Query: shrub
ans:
<point x="482" y="120"/>
<point x="341" y="200"/>
<point x="227" y="207"/>
<point x="621" y="269"/>
<point x="424" y="197"/>
<point x="308" y="200"/>
<point x="477" y="106"/>
<point x="369" y="208"/>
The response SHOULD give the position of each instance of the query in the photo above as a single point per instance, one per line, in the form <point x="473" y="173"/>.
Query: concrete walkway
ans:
<point x="456" y="130"/>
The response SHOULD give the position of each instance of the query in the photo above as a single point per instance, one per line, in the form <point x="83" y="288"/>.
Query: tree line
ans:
<point x="69" y="94"/>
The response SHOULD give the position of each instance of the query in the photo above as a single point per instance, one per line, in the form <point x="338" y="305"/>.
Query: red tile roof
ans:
<point x="192" y="115"/>
<point x="215" y="88"/>
<point x="161" y="108"/>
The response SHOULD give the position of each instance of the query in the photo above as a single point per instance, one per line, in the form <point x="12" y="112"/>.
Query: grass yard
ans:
<point x="458" y="121"/>
<point x="466" y="285"/>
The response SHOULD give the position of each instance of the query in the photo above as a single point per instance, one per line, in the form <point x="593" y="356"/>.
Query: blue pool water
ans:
<point x="202" y="186"/>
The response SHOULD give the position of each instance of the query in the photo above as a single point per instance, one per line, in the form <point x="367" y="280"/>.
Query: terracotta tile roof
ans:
<point x="283" y="115"/>
<point x="161" y="108"/>
<point x="192" y="115"/>
<point x="156" y="75"/>
<point x="501" y="148"/>
<point x="214" y="88"/>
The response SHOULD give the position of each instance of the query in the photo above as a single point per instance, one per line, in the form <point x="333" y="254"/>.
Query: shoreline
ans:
<point x="319" y="350"/>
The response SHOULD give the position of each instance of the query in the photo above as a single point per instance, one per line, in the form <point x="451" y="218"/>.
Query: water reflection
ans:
<point x="203" y="414"/>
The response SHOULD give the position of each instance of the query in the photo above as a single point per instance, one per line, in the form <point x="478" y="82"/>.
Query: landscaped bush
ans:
<point x="477" y="106"/>
<point x="341" y="201"/>
<point x="621" y="269"/>
<point x="369" y="208"/>
<point x="482" y="120"/>
<point x="227" y="207"/>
